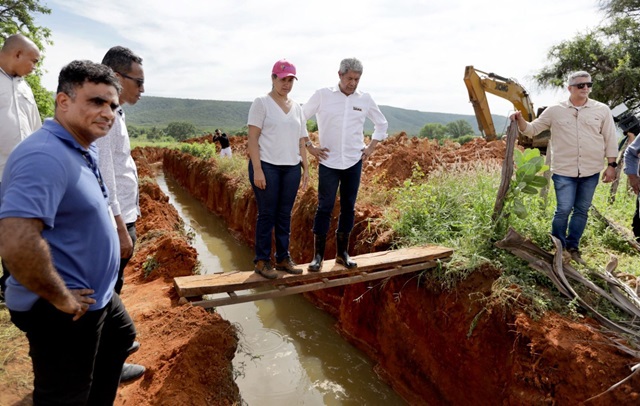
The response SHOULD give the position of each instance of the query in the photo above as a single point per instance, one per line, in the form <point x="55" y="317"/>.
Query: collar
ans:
<point x="7" y="75"/>
<point x="57" y="130"/>
<point x="567" y="103"/>
<point x="336" y="89"/>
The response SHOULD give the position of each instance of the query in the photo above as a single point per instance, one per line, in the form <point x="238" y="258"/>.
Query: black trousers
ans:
<point x="76" y="362"/>
<point x="131" y="229"/>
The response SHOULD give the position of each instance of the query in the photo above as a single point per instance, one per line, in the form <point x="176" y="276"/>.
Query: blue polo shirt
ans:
<point x="49" y="176"/>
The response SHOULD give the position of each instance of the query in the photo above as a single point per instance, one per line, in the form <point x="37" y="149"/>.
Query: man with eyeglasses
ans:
<point x="583" y="135"/>
<point x="119" y="169"/>
<point x="58" y="238"/>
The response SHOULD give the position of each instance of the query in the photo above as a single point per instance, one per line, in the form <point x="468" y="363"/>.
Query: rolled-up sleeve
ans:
<point x="380" y="124"/>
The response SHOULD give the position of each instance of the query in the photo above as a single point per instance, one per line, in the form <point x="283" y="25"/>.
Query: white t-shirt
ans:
<point x="280" y="133"/>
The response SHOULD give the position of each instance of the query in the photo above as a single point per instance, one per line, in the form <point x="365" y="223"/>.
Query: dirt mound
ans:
<point x="427" y="342"/>
<point x="179" y="344"/>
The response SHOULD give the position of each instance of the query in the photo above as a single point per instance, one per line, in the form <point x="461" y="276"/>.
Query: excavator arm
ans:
<point x="480" y="83"/>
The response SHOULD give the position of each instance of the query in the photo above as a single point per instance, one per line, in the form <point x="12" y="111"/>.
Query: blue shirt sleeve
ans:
<point x="631" y="157"/>
<point x="33" y="186"/>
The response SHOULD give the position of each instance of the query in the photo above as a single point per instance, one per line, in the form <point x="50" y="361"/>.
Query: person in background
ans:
<point x="341" y="112"/>
<point x="583" y="135"/>
<point x="119" y="170"/>
<point x="58" y="238"/>
<point x="225" y="146"/>
<point x="632" y="169"/>
<point x="19" y="115"/>
<point x="278" y="161"/>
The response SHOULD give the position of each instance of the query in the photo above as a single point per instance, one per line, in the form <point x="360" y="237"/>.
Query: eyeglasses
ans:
<point x="139" y="82"/>
<point x="582" y="85"/>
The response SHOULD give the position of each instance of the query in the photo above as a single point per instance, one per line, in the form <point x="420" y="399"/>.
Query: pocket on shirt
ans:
<point x="594" y="122"/>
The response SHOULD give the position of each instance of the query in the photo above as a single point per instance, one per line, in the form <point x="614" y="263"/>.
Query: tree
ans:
<point x="434" y="131"/>
<point x="16" y="16"/>
<point x="609" y="53"/>
<point x="180" y="130"/>
<point x="459" y="128"/>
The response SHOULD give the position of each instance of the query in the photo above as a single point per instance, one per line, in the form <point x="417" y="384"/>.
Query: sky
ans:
<point x="414" y="52"/>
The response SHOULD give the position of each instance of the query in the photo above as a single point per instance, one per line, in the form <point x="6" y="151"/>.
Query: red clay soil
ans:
<point x="421" y="338"/>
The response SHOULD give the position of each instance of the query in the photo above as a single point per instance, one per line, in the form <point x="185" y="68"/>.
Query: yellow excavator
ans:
<point x="480" y="83"/>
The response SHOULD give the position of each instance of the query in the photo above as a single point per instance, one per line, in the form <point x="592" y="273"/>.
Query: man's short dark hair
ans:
<point x="76" y="73"/>
<point x="120" y="59"/>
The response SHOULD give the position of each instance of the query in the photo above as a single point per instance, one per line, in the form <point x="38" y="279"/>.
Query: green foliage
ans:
<point x="524" y="187"/>
<point x="203" y="151"/>
<point x="609" y="52"/>
<point x="18" y="16"/>
<point x="452" y="208"/>
<point x="459" y="128"/>
<point x="312" y="126"/>
<point x="181" y="130"/>
<point x="44" y="98"/>
<point x="433" y="131"/>
<point x="149" y="265"/>
<point x="527" y="181"/>
<point x="465" y="139"/>
<point x="446" y="210"/>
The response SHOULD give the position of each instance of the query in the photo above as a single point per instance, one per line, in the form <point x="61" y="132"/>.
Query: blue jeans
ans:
<point x="328" y="181"/>
<point x="275" y="203"/>
<point x="572" y="195"/>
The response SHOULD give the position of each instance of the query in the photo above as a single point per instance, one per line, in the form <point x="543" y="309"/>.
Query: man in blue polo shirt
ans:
<point x="58" y="239"/>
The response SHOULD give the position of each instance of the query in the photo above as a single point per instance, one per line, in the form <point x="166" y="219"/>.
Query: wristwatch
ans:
<point x="613" y="164"/>
<point x="308" y="144"/>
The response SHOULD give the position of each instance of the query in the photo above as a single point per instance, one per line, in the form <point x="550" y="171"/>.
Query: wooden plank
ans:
<point x="198" y="285"/>
<point x="281" y="290"/>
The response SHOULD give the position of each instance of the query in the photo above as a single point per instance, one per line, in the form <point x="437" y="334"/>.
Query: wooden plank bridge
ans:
<point x="377" y="265"/>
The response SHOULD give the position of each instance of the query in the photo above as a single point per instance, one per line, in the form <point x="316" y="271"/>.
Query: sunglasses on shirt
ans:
<point x="582" y="85"/>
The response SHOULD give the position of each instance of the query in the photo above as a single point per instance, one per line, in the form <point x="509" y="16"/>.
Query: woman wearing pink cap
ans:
<point x="277" y="131"/>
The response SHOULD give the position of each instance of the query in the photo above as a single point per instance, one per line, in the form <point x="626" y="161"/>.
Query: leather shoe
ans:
<point x="134" y="347"/>
<point x="131" y="372"/>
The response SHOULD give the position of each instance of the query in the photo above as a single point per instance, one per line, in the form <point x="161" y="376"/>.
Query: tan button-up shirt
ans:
<point x="581" y="138"/>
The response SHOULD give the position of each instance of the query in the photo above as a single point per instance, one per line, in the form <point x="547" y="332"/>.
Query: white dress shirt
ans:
<point x="119" y="170"/>
<point x="341" y="123"/>
<point x="19" y="115"/>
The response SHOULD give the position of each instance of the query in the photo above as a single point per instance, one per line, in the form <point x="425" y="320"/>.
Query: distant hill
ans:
<point x="153" y="111"/>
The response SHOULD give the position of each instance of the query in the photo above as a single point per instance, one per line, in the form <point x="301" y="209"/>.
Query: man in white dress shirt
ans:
<point x="119" y="170"/>
<point x="341" y="112"/>
<point x="19" y="115"/>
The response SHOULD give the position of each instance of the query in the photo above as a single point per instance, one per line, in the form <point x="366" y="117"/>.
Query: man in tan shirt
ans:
<point x="583" y="134"/>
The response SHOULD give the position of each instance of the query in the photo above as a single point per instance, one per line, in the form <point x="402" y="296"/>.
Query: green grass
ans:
<point x="453" y="208"/>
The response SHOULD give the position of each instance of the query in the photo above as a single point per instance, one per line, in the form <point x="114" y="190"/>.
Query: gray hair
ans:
<point x="579" y="74"/>
<point x="350" y="64"/>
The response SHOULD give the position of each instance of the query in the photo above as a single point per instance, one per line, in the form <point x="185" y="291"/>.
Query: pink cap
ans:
<point x="284" y="68"/>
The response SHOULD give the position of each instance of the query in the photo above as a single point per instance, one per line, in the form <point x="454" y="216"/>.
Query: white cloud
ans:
<point x="414" y="52"/>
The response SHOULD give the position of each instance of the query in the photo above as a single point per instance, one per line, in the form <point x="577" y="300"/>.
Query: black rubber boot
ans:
<point x="318" y="255"/>
<point x="342" y="251"/>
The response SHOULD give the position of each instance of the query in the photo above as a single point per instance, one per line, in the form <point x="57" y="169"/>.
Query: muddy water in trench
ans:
<point x="289" y="352"/>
